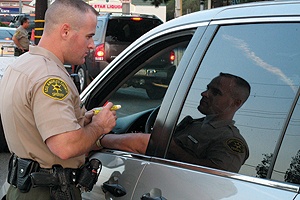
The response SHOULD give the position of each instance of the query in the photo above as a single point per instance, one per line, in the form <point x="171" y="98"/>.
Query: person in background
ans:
<point x="20" y="37"/>
<point x="211" y="141"/>
<point x="48" y="130"/>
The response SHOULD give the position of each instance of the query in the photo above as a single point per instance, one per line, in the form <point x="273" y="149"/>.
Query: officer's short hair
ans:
<point x="23" y="20"/>
<point x="243" y="87"/>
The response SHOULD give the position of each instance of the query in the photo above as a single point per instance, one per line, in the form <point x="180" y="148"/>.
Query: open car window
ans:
<point x="147" y="87"/>
<point x="144" y="90"/>
<point x="139" y="82"/>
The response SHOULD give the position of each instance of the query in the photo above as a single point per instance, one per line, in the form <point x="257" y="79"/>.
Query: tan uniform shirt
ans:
<point x="218" y="141"/>
<point x="22" y="35"/>
<point x="39" y="100"/>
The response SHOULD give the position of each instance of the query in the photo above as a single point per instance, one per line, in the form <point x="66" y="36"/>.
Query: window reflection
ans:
<point x="268" y="57"/>
<point x="287" y="166"/>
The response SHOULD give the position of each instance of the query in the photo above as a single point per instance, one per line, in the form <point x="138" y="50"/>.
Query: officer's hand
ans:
<point x="88" y="117"/>
<point x="106" y="119"/>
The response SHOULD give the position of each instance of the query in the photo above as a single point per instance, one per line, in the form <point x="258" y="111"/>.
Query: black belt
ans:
<point x="21" y="171"/>
<point x="54" y="176"/>
<point x="70" y="174"/>
<point x="24" y="173"/>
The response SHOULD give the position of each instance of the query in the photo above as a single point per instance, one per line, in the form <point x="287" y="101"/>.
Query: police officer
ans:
<point x="20" y="37"/>
<point x="211" y="141"/>
<point x="46" y="127"/>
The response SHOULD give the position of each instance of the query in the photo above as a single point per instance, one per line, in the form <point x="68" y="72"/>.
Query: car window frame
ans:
<point x="189" y="76"/>
<point x="166" y="120"/>
<point x="120" y="73"/>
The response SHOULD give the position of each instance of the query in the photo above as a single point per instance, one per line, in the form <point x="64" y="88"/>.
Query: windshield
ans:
<point x="128" y="30"/>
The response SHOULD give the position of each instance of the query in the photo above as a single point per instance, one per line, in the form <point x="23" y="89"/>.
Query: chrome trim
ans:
<point x="256" y="20"/>
<point x="255" y="180"/>
<point x="240" y="177"/>
<point x="179" y="28"/>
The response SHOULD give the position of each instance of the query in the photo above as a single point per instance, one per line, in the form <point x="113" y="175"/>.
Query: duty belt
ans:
<point x="26" y="173"/>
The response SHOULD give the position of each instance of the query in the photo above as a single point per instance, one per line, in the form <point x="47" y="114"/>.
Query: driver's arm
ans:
<point x="131" y="142"/>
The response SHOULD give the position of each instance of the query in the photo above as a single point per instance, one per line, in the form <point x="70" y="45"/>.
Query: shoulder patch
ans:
<point x="55" y="88"/>
<point x="236" y="145"/>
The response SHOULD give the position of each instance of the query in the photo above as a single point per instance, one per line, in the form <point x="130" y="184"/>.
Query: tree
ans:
<point x="262" y="169"/>
<point x="292" y="174"/>
<point x="188" y="6"/>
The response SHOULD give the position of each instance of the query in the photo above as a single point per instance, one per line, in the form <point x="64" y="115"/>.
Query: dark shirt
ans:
<point x="218" y="141"/>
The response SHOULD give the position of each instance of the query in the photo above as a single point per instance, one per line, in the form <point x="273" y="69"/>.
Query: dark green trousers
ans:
<point x="38" y="193"/>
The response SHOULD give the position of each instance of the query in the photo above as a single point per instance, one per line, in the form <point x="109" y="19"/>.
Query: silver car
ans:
<point x="259" y="42"/>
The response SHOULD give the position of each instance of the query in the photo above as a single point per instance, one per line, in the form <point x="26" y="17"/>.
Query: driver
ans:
<point x="211" y="141"/>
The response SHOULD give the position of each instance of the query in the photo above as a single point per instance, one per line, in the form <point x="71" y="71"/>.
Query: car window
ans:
<point x="128" y="29"/>
<point x="268" y="57"/>
<point x="147" y="87"/>
<point x="6" y="34"/>
<point x="151" y="66"/>
<point x="5" y="18"/>
<point x="287" y="163"/>
<point x="99" y="30"/>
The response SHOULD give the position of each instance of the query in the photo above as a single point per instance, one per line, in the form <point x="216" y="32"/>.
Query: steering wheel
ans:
<point x="151" y="119"/>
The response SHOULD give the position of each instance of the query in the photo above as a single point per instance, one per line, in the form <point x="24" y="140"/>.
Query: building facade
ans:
<point x="14" y="7"/>
<point x="135" y="6"/>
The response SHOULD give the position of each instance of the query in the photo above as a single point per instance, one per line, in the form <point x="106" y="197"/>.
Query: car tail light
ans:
<point x="136" y="18"/>
<point x="99" y="52"/>
<point x="172" y="56"/>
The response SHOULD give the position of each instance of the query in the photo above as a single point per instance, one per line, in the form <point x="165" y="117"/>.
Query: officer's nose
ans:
<point x="204" y="93"/>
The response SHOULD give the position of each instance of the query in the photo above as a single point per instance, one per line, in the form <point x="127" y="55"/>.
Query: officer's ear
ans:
<point x="238" y="103"/>
<point x="65" y="30"/>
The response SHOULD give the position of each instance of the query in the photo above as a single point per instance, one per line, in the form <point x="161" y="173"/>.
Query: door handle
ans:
<point x="113" y="187"/>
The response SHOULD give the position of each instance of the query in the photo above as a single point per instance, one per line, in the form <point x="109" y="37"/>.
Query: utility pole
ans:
<point x="40" y="10"/>
<point x="20" y="6"/>
<point x="209" y="4"/>
<point x="178" y="8"/>
<point x="126" y="6"/>
<point x="201" y="5"/>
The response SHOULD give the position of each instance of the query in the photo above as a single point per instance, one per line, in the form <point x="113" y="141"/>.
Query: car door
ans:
<point x="266" y="55"/>
<point x="126" y="83"/>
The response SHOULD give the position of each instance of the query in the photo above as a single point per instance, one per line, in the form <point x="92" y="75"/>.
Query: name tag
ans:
<point x="193" y="139"/>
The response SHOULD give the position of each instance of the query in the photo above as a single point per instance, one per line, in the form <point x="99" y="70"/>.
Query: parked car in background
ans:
<point x="16" y="21"/>
<point x="114" y="32"/>
<point x="6" y="19"/>
<point x="6" y="42"/>
<point x="258" y="42"/>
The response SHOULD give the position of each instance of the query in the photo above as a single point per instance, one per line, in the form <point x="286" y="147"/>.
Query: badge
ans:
<point x="236" y="145"/>
<point x="55" y="88"/>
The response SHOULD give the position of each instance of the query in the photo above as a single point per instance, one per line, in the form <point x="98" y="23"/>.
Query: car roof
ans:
<point x="249" y="10"/>
<point x="7" y="28"/>
<point x="239" y="11"/>
<point x="193" y="20"/>
<point x="125" y="15"/>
